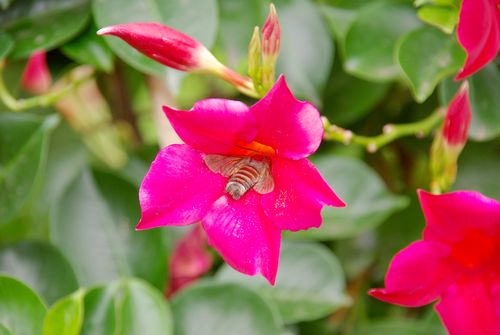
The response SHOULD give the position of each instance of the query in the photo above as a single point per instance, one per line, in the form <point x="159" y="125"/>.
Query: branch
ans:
<point x="19" y="105"/>
<point x="390" y="133"/>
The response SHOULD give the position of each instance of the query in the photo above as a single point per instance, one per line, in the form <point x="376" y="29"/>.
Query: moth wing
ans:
<point x="265" y="184"/>
<point x="225" y="165"/>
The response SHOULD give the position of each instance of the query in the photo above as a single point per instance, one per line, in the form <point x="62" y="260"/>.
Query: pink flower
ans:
<point x="457" y="120"/>
<point x="457" y="262"/>
<point x="243" y="173"/>
<point x="190" y="260"/>
<point x="36" y="77"/>
<point x="478" y="32"/>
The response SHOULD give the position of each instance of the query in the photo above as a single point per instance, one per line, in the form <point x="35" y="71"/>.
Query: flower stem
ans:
<point x="19" y="105"/>
<point x="391" y="132"/>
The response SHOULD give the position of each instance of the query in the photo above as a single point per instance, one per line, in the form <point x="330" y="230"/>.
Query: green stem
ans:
<point x="19" y="105"/>
<point x="391" y="132"/>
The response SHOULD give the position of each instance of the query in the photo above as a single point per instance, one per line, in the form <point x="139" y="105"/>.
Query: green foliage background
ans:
<point x="70" y="260"/>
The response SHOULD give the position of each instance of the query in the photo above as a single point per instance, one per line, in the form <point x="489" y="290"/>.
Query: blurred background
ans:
<point x="71" y="166"/>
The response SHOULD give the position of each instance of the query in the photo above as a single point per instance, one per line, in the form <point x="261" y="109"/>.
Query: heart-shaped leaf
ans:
<point x="21" y="310"/>
<point x="222" y="308"/>
<point x="369" y="202"/>
<point x="43" y="24"/>
<point x="24" y="140"/>
<point x="426" y="56"/>
<point x="41" y="266"/>
<point x="371" y="40"/>
<point x="310" y="282"/>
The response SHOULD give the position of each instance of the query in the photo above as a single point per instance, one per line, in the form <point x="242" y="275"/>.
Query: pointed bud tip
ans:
<point x="105" y="31"/>
<point x="272" y="10"/>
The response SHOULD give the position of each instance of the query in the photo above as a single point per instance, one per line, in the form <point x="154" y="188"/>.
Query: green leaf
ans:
<point x="143" y="310"/>
<point x="307" y="50"/>
<point x="443" y="18"/>
<point x="126" y="307"/>
<point x="144" y="250"/>
<point x="197" y="18"/>
<point x="40" y="266"/>
<point x="21" y="310"/>
<point x="236" y="22"/>
<point x="310" y="282"/>
<point x="348" y="99"/>
<point x="6" y="45"/>
<point x="223" y="308"/>
<point x="66" y="316"/>
<point x="82" y="227"/>
<point x="22" y="157"/>
<point x="88" y="48"/>
<point x="4" y="330"/>
<point x="426" y="56"/>
<point x="93" y="225"/>
<point x="340" y="17"/>
<point x="369" y="203"/>
<point x="371" y="40"/>
<point x="484" y="99"/>
<point x="43" y="24"/>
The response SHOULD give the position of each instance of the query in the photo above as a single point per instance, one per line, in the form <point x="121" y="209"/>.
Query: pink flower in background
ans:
<point x="36" y="77"/>
<point x="243" y="173"/>
<point x="457" y="262"/>
<point x="190" y="260"/>
<point x="478" y="32"/>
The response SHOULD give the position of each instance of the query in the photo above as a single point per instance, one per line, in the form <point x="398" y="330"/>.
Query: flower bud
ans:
<point x="254" y="50"/>
<point x="271" y="36"/>
<point x="450" y="140"/>
<point x="176" y="50"/>
<point x="36" y="77"/>
<point x="165" y="45"/>
<point x="457" y="119"/>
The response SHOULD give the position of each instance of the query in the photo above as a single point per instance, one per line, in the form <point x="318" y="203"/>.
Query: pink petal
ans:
<point x="190" y="260"/>
<point x="292" y="127"/>
<point x="299" y="195"/>
<point x="36" y="77"/>
<point x="467" y="308"/>
<point x="416" y="275"/>
<point x="244" y="237"/>
<point x="452" y="215"/>
<point x="214" y="125"/>
<point x="161" y="43"/>
<point x="479" y="34"/>
<point x="178" y="189"/>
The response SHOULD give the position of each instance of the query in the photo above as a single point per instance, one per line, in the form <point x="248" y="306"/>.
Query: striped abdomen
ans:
<point x="244" y="179"/>
<point x="244" y="173"/>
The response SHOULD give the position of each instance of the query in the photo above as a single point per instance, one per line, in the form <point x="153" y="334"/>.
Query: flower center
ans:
<point x="474" y="250"/>
<point x="252" y="149"/>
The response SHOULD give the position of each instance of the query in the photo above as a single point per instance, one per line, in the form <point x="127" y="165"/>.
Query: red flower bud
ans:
<point x="36" y="77"/>
<point x="457" y="119"/>
<point x="165" y="45"/>
<point x="271" y="34"/>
